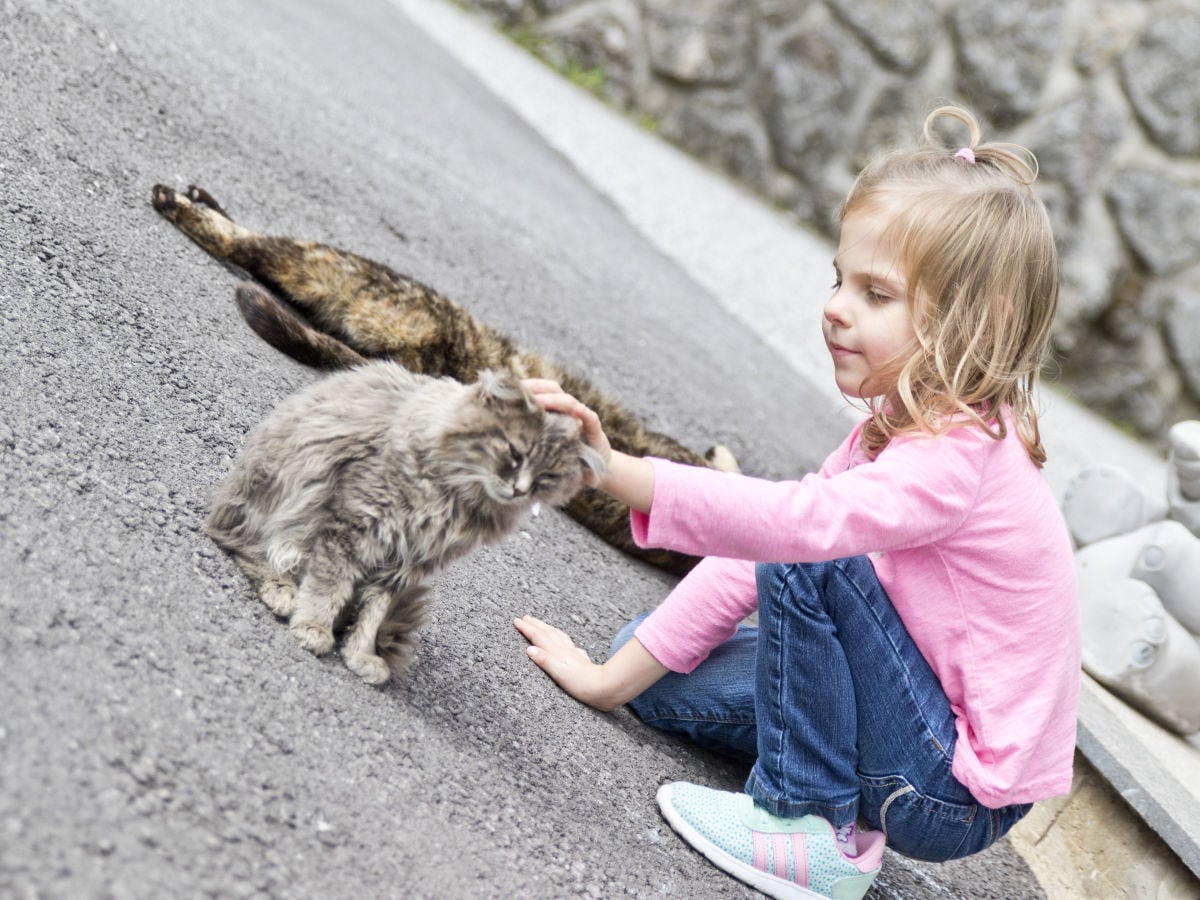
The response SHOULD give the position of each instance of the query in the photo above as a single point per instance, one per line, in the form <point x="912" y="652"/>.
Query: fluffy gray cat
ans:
<point x="363" y="485"/>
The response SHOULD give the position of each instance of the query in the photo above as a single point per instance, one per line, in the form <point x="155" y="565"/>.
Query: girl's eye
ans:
<point x="836" y="284"/>
<point x="874" y="296"/>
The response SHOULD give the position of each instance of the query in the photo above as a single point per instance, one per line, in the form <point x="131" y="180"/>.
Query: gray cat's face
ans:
<point x="517" y="453"/>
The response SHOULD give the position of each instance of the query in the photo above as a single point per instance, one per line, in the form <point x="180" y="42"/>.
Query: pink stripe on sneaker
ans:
<point x="800" y="860"/>
<point x="779" y="854"/>
<point x="760" y="851"/>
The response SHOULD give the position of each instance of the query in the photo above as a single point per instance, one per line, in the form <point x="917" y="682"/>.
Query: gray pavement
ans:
<point x="161" y="735"/>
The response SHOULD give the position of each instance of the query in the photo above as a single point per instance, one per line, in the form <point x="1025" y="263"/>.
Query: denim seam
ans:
<point x="883" y="810"/>
<point x="677" y="717"/>
<point x="849" y="580"/>
<point x="792" y="810"/>
<point x="777" y="640"/>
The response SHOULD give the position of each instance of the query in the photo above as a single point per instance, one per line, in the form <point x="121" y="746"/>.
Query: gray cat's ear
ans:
<point x="500" y="388"/>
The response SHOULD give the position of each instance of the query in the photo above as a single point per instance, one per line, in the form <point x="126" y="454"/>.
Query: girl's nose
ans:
<point x="835" y="309"/>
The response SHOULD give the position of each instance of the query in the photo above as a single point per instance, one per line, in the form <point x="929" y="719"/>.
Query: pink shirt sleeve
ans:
<point x="703" y="611"/>
<point x="828" y="515"/>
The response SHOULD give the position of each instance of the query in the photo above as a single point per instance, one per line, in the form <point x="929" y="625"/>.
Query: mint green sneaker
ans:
<point x="783" y="858"/>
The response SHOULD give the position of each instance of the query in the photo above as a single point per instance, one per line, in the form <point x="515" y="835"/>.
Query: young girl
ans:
<point x="916" y="661"/>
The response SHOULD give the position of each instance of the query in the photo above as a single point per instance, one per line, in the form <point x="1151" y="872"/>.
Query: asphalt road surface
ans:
<point x="161" y="734"/>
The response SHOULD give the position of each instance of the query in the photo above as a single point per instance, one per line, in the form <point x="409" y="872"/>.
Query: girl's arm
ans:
<point x="916" y="492"/>
<point x="630" y="479"/>
<point x="625" y="675"/>
<point x="631" y="669"/>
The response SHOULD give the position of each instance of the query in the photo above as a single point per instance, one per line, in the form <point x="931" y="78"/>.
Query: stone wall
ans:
<point x="791" y="96"/>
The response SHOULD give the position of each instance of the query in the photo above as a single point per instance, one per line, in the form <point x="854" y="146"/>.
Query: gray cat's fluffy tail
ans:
<point x="277" y="323"/>
<point x="397" y="635"/>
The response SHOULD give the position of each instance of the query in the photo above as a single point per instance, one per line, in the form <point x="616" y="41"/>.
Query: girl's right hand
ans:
<point x="550" y="395"/>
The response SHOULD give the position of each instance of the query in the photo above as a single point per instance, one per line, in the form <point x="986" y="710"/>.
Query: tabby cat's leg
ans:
<point x="368" y="306"/>
<point x="360" y="649"/>
<point x="276" y="323"/>
<point x="300" y="270"/>
<point x="201" y="218"/>
<point x="722" y="459"/>
<point x="325" y="590"/>
<point x="276" y="589"/>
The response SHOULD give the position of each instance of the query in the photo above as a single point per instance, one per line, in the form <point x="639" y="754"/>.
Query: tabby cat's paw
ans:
<point x="722" y="459"/>
<point x="313" y="636"/>
<point x="202" y="197"/>
<point x="367" y="666"/>
<point x="167" y="201"/>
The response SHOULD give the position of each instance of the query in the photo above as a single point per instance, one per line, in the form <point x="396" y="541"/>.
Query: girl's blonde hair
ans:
<point x="982" y="273"/>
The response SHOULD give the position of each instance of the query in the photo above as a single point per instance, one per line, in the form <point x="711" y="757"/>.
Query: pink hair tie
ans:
<point x="967" y="155"/>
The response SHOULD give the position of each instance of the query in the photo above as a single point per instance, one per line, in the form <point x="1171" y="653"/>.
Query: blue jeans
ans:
<point x="838" y="709"/>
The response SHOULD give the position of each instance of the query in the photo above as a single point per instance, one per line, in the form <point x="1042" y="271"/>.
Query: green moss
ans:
<point x="593" y="79"/>
<point x="529" y="39"/>
<point x="647" y="122"/>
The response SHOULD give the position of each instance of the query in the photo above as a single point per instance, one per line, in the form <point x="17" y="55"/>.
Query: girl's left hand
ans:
<point x="624" y="676"/>
<point x="570" y="666"/>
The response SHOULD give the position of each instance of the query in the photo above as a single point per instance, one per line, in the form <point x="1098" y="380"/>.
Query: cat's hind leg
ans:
<point x="201" y="218"/>
<point x="275" y="322"/>
<point x="383" y="635"/>
<point x="722" y="459"/>
<point x="363" y="304"/>
<point x="301" y="271"/>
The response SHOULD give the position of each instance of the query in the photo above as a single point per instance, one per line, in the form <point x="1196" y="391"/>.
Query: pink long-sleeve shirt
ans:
<point x="968" y="542"/>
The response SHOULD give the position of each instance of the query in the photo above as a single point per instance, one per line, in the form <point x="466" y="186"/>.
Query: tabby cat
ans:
<point x="350" y="308"/>
<point x="354" y="491"/>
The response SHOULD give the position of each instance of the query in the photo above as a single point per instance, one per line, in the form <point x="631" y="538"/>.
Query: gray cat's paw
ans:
<point x="367" y="666"/>
<point x="313" y="636"/>
<point x="279" y="596"/>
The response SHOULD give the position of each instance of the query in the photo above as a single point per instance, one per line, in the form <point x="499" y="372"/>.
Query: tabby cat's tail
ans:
<point x="281" y="327"/>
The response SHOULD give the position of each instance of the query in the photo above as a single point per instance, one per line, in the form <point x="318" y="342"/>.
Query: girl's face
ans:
<point x="867" y="321"/>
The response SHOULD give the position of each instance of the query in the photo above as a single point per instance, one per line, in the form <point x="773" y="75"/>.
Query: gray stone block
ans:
<point x="902" y="34"/>
<point x="701" y="42"/>
<point x="1004" y="54"/>
<point x="1154" y="71"/>
<point x="1159" y="216"/>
